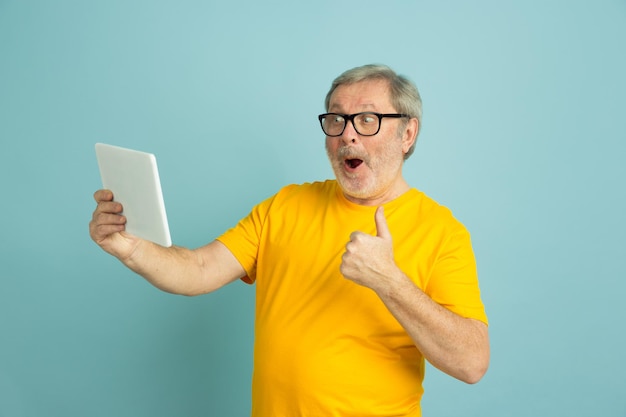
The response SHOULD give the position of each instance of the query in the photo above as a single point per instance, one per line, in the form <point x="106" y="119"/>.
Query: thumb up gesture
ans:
<point x="368" y="260"/>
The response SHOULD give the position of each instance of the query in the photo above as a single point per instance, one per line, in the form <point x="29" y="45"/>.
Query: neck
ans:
<point x="380" y="198"/>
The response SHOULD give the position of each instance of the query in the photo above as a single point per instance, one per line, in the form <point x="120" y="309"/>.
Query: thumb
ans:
<point x="382" y="230"/>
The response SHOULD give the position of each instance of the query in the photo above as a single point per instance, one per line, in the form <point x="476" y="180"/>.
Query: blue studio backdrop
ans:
<point x="523" y="138"/>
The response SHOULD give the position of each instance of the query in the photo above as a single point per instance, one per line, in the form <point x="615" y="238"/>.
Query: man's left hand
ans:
<point x="368" y="260"/>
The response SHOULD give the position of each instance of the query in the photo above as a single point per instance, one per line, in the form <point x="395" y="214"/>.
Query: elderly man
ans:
<point x="359" y="280"/>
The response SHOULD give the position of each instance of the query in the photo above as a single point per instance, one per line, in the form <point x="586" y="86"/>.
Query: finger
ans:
<point x="109" y="218"/>
<point x="101" y="227"/>
<point x="382" y="230"/>
<point x="109" y="207"/>
<point x="354" y="236"/>
<point x="101" y="231"/>
<point x="103" y="195"/>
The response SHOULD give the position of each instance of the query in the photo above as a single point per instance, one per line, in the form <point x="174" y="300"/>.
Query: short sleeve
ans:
<point x="454" y="279"/>
<point x="244" y="239"/>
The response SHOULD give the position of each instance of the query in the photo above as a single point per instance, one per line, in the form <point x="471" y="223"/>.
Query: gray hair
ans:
<point x="404" y="94"/>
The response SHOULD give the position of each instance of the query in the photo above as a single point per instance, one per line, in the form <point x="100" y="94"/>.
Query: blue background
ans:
<point x="523" y="137"/>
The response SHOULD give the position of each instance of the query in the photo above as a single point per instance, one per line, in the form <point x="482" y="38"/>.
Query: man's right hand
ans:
<point x="107" y="227"/>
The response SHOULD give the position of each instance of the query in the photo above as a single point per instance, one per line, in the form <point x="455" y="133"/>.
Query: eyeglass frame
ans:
<point x="350" y="118"/>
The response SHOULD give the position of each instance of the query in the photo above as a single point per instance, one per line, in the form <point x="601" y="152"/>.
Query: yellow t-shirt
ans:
<point x="325" y="346"/>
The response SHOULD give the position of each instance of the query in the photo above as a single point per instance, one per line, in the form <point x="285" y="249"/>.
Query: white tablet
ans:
<point x="133" y="178"/>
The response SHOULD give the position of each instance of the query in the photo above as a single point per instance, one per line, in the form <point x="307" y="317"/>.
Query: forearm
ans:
<point x="184" y="271"/>
<point x="174" y="269"/>
<point x="456" y="345"/>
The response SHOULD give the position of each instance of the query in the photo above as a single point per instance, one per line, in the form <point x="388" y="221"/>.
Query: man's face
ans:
<point x="368" y="168"/>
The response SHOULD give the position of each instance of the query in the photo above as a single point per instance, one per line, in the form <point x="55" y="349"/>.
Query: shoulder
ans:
<point x="306" y="192"/>
<point x="429" y="212"/>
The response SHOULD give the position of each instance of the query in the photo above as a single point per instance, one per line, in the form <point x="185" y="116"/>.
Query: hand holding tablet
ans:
<point x="133" y="177"/>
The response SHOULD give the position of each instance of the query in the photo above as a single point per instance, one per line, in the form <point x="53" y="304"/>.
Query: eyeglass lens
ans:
<point x="365" y="124"/>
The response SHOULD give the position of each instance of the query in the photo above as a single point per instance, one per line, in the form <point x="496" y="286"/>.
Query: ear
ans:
<point x="410" y="134"/>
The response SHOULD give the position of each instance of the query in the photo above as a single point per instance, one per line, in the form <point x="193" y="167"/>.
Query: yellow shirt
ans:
<point x="325" y="346"/>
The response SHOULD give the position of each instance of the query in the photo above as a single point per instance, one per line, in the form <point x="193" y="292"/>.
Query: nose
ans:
<point x="349" y="134"/>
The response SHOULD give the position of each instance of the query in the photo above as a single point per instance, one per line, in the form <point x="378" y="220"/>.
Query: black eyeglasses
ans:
<point x="365" y="124"/>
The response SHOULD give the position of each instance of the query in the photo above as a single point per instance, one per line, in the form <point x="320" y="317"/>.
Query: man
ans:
<point x="359" y="279"/>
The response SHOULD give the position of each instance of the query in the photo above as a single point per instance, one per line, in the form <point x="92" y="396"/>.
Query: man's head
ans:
<point x="370" y="131"/>
<point x="403" y="94"/>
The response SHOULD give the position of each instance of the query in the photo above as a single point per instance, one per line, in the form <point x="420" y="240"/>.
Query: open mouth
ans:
<point x="353" y="163"/>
